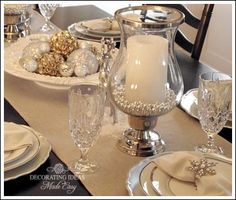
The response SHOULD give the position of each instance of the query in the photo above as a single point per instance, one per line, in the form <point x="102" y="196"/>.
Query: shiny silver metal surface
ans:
<point x="16" y="25"/>
<point x="11" y="33"/>
<point x="16" y="18"/>
<point x="151" y="16"/>
<point x="134" y="144"/>
<point x="12" y="19"/>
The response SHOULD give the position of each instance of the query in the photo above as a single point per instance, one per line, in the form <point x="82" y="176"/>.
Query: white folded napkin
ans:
<point x="133" y="16"/>
<point x="115" y="26"/>
<point x="16" y="140"/>
<point x="176" y="164"/>
<point x="98" y="24"/>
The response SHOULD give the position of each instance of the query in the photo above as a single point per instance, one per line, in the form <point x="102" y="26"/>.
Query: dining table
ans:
<point x="45" y="110"/>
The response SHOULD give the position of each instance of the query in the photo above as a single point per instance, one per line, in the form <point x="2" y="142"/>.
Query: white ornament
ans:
<point x="85" y="58"/>
<point x="81" y="70"/>
<point x="32" y="50"/>
<point x="66" y="69"/>
<point x="85" y="45"/>
<point x="44" y="38"/>
<point x="93" y="65"/>
<point x="28" y="63"/>
<point x="44" y="47"/>
<point x="36" y="49"/>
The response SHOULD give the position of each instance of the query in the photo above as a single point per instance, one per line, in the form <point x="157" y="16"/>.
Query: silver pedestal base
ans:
<point x="141" y="142"/>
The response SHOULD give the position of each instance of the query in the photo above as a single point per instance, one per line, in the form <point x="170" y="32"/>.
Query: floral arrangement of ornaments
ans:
<point x="61" y="56"/>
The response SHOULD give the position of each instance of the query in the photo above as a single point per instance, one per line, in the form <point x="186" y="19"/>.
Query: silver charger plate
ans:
<point x="132" y="184"/>
<point x="189" y="104"/>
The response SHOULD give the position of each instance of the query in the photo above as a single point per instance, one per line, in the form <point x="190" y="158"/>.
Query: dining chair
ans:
<point x="201" y="25"/>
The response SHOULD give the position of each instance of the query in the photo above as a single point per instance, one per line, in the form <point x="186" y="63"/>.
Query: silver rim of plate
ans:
<point x="189" y="105"/>
<point x="142" y="178"/>
<point x="132" y="183"/>
<point x="32" y="164"/>
<point x="146" y="184"/>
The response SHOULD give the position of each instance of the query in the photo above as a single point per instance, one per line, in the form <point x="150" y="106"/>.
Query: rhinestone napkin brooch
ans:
<point x="202" y="168"/>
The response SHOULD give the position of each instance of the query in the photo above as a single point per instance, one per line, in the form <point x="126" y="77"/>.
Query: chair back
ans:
<point x="194" y="48"/>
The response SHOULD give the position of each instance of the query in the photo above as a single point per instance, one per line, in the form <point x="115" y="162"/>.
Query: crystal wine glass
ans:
<point x="214" y="107"/>
<point x="47" y="10"/>
<point x="86" y="109"/>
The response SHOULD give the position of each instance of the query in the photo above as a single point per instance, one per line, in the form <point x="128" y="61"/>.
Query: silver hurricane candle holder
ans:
<point x="145" y="81"/>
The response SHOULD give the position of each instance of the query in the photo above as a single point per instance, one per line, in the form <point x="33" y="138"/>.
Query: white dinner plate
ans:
<point x="29" y="154"/>
<point x="13" y="53"/>
<point x="133" y="181"/>
<point x="80" y="34"/>
<point x="33" y="164"/>
<point x="145" y="179"/>
<point x="189" y="103"/>
<point x="83" y="34"/>
<point x="165" y="185"/>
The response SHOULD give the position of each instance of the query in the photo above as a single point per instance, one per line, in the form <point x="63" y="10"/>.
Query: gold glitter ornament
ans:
<point x="63" y="43"/>
<point x="48" y="64"/>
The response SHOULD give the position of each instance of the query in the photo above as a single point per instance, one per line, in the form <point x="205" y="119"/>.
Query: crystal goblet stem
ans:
<point x="47" y="10"/>
<point x="47" y="26"/>
<point x="84" y="165"/>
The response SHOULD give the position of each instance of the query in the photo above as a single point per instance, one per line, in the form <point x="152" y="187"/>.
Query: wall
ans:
<point x="217" y="50"/>
<point x="108" y="6"/>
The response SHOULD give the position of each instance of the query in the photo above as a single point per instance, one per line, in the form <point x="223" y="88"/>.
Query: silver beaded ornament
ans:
<point x="81" y="70"/>
<point x="85" y="45"/>
<point x="36" y="49"/>
<point x="66" y="69"/>
<point x="83" y="58"/>
<point x="28" y="63"/>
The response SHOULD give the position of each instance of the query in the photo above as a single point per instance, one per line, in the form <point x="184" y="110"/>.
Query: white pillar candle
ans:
<point x="146" y="68"/>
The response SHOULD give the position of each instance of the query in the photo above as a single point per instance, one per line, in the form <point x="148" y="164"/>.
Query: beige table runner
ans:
<point x="46" y="111"/>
